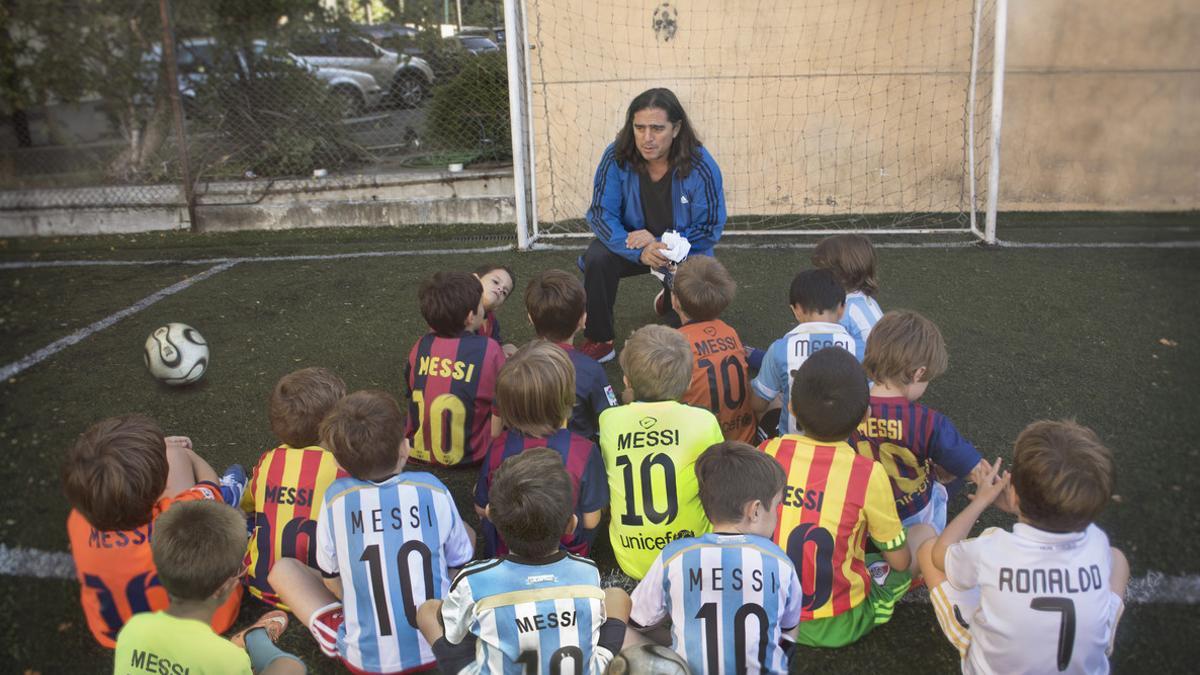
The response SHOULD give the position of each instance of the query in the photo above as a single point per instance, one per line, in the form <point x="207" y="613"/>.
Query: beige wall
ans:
<point x="1102" y="105"/>
<point x="853" y="106"/>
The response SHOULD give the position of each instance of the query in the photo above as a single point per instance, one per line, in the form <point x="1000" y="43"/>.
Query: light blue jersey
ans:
<point x="391" y="543"/>
<point x="862" y="313"/>
<point x="527" y="616"/>
<point x="786" y="354"/>
<point x="730" y="598"/>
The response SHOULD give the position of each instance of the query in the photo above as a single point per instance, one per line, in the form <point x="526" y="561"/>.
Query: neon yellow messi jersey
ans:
<point x="650" y="452"/>
<point x="156" y="642"/>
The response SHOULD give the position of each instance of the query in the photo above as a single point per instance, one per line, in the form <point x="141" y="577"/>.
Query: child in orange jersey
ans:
<point x="289" y="482"/>
<point x="720" y="377"/>
<point x="119" y="476"/>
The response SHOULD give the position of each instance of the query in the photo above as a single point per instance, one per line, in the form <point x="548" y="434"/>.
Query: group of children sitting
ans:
<point x="738" y="551"/>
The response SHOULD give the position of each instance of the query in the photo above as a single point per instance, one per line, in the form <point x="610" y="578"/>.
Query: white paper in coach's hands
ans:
<point x="678" y="247"/>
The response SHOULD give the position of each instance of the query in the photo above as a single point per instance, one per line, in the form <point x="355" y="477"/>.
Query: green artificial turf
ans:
<point x="1106" y="336"/>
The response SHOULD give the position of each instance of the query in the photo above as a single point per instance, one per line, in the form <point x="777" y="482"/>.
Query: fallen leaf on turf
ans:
<point x="1167" y="342"/>
<point x="64" y="626"/>
<point x="1117" y="498"/>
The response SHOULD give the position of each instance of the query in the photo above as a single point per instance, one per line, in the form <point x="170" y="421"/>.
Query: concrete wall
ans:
<point x="1102" y="106"/>
<point x="347" y="201"/>
<point x="829" y="107"/>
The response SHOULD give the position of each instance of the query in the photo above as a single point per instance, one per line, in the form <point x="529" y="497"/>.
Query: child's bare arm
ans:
<point x="591" y="520"/>
<point x="991" y="486"/>
<point x="899" y="559"/>
<point x="760" y="404"/>
<point x="184" y="467"/>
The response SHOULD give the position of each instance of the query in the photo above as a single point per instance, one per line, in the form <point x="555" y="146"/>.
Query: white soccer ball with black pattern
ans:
<point x="176" y="354"/>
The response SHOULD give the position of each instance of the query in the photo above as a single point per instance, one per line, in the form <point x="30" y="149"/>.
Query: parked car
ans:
<point x="357" y="91"/>
<point x="475" y="44"/>
<point x="393" y="36"/>
<point x="407" y="78"/>
<point x="495" y="33"/>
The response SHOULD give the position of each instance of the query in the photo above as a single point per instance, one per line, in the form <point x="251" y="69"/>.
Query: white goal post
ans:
<point x="825" y="116"/>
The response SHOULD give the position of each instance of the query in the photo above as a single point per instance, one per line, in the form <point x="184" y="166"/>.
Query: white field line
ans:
<point x="537" y="247"/>
<point x="1154" y="588"/>
<point x="39" y="264"/>
<point x="83" y="333"/>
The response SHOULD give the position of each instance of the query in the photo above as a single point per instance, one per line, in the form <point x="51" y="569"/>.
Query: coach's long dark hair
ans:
<point x="683" y="148"/>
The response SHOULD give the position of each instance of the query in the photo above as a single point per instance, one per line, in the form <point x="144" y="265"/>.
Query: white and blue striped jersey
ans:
<point x="539" y="616"/>
<point x="391" y="543"/>
<point x="861" y="315"/>
<point x="786" y="354"/>
<point x="730" y="598"/>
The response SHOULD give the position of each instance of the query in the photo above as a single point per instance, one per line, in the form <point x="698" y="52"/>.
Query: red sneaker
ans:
<point x="660" y="303"/>
<point x="603" y="352"/>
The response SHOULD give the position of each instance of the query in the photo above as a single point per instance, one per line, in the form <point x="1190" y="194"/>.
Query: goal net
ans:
<point x="824" y="115"/>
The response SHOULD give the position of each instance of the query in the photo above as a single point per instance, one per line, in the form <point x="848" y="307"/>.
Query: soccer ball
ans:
<point x="176" y="354"/>
<point x="647" y="660"/>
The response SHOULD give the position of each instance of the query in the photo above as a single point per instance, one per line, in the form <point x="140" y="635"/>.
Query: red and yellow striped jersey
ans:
<point x="833" y="499"/>
<point x="116" y="571"/>
<point x="284" y="499"/>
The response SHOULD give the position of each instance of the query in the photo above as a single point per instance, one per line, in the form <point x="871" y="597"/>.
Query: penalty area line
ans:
<point x="57" y="346"/>
<point x="42" y="264"/>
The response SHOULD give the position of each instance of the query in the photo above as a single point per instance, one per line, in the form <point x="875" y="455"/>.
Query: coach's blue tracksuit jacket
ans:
<point x="698" y="204"/>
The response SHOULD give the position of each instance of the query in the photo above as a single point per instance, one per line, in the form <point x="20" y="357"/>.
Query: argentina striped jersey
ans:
<point x="528" y="616"/>
<point x="862" y="313"/>
<point x="730" y="598"/>
<point x="787" y="354"/>
<point x="391" y="542"/>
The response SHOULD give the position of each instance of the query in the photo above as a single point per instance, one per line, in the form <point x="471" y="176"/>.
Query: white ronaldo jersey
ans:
<point x="391" y="543"/>
<point x="1044" y="600"/>
<point x="730" y="598"/>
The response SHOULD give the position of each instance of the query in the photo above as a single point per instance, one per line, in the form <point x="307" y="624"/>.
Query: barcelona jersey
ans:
<point x="284" y="497"/>
<point x="490" y="327"/>
<point x="908" y="438"/>
<point x="834" y="498"/>
<point x="116" y="571"/>
<point x="584" y="464"/>
<point x="720" y="377"/>
<point x="593" y="395"/>
<point x="451" y="384"/>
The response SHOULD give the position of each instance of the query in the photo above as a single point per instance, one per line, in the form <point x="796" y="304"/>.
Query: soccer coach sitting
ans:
<point x="655" y="177"/>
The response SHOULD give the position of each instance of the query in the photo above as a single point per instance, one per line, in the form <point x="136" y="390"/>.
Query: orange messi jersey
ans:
<point x="833" y="499"/>
<point x="116" y="572"/>
<point x="720" y="377"/>
<point x="284" y="497"/>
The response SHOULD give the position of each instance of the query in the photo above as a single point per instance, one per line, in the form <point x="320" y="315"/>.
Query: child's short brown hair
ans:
<point x="902" y="342"/>
<point x="535" y="389"/>
<point x="447" y="298"/>
<point x="732" y="473"/>
<point x="1063" y="475"/>
<point x="704" y="287"/>
<point x="300" y="401"/>
<point x="197" y="547"/>
<point x="657" y="361"/>
<point x="531" y="502"/>
<point x="829" y="394"/>
<point x="556" y="302"/>
<point x="116" y="471"/>
<point x="851" y="258"/>
<point x="364" y="432"/>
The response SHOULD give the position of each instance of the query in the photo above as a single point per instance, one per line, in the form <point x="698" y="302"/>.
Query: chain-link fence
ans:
<point x="267" y="89"/>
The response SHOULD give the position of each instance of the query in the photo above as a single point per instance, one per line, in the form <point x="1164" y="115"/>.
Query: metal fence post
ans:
<point x="168" y="49"/>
